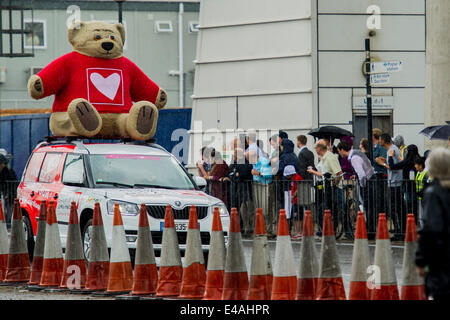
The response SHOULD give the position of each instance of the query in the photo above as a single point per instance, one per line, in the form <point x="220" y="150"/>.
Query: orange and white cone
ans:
<point x="261" y="275"/>
<point x="216" y="260"/>
<point x="413" y="285"/>
<point x="3" y="244"/>
<point x="38" y="256"/>
<point x="145" y="278"/>
<point x="98" y="267"/>
<point x="194" y="274"/>
<point x="18" y="267"/>
<point x="386" y="287"/>
<point x="170" y="267"/>
<point x="74" y="269"/>
<point x="284" y="284"/>
<point x="360" y="262"/>
<point x="309" y="266"/>
<point x="120" y="270"/>
<point x="329" y="284"/>
<point x="53" y="258"/>
<point x="235" y="279"/>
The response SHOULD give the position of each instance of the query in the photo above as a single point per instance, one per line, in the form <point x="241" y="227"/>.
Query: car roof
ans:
<point x="123" y="148"/>
<point x="103" y="148"/>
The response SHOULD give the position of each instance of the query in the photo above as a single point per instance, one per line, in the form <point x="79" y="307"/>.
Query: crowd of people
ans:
<point x="392" y="182"/>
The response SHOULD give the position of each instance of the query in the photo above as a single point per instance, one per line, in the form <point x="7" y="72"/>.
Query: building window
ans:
<point x="193" y="26"/>
<point x="163" y="26"/>
<point x="38" y="38"/>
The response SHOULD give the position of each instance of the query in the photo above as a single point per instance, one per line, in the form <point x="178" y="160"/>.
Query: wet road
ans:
<point x="345" y="251"/>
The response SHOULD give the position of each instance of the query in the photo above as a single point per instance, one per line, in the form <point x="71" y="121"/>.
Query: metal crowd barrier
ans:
<point x="344" y="200"/>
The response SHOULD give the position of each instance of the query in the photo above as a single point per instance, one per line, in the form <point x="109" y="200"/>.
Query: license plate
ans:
<point x="179" y="226"/>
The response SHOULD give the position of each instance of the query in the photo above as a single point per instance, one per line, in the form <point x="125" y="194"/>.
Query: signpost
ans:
<point x="376" y="73"/>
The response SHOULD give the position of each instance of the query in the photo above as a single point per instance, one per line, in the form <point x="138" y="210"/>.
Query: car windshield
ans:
<point x="138" y="171"/>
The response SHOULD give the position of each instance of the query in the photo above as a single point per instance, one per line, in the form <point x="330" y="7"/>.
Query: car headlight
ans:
<point x="126" y="208"/>
<point x="222" y="209"/>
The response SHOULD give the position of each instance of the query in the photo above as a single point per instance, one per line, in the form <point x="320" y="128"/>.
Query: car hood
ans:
<point x="176" y="198"/>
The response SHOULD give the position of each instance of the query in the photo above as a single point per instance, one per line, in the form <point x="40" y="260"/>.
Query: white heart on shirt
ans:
<point x="107" y="86"/>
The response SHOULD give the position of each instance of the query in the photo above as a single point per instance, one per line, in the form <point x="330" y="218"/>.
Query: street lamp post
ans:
<point x="368" y="98"/>
<point x="120" y="2"/>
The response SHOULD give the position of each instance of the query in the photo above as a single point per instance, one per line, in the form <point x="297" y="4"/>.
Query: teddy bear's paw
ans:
<point x="144" y="122"/>
<point x="88" y="118"/>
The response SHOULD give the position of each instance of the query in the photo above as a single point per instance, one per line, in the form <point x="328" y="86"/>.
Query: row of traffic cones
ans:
<point x="226" y="277"/>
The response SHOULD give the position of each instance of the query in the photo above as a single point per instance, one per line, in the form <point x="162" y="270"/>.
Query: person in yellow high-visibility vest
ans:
<point x="421" y="181"/>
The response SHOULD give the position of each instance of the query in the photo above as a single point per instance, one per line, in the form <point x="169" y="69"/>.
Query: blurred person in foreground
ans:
<point x="433" y="253"/>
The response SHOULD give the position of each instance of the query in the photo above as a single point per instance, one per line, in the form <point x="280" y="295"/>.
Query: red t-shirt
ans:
<point x="111" y="85"/>
<point x="294" y="186"/>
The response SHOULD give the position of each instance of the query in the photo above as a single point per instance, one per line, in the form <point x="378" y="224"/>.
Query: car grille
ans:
<point x="158" y="212"/>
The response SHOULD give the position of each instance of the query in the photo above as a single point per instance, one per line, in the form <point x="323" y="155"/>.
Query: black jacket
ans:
<point x="305" y="159"/>
<point x="434" y="239"/>
<point x="241" y="182"/>
<point x="288" y="157"/>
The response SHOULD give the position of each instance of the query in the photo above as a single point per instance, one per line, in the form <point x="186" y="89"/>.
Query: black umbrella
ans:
<point x="330" y="132"/>
<point x="441" y="132"/>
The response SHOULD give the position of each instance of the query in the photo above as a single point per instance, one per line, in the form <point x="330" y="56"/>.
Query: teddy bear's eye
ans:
<point x="112" y="37"/>
<point x="97" y="37"/>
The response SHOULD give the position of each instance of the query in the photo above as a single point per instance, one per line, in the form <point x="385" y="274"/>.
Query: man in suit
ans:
<point x="305" y="158"/>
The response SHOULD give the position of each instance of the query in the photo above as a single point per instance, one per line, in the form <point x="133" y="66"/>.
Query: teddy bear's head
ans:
<point x="97" y="39"/>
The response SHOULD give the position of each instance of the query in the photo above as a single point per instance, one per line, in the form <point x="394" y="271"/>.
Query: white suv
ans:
<point x="125" y="173"/>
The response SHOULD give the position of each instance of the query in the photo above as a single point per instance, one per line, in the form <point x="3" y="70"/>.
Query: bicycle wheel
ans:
<point x="351" y="217"/>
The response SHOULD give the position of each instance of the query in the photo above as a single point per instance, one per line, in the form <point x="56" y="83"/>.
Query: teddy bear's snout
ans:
<point x="107" y="45"/>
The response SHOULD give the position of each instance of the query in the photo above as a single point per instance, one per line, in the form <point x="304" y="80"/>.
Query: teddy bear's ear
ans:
<point x="74" y="29"/>
<point x="121" y="30"/>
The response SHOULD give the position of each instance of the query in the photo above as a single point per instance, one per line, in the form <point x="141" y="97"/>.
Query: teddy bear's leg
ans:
<point x="85" y="118"/>
<point x="61" y="125"/>
<point x="141" y="120"/>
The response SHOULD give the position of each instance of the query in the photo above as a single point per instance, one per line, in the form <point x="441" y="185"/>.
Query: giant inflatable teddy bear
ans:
<point x="97" y="90"/>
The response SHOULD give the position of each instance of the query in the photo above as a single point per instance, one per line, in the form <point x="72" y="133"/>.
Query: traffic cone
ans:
<point x="261" y="275"/>
<point x="120" y="270"/>
<point x="170" y="269"/>
<point x="360" y="262"/>
<point x="3" y="244"/>
<point x="74" y="262"/>
<point x="329" y="284"/>
<point x="413" y="285"/>
<point x="284" y="284"/>
<point x="98" y="267"/>
<point x="309" y="266"/>
<point x="216" y="262"/>
<point x="18" y="267"/>
<point x="145" y="278"/>
<point x="53" y="259"/>
<point x="386" y="289"/>
<point x="38" y="256"/>
<point x="194" y="274"/>
<point x="235" y="279"/>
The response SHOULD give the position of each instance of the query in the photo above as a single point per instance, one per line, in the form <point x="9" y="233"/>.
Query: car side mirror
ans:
<point x="200" y="182"/>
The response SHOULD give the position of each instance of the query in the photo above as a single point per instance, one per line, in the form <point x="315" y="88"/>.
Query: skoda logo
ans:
<point x="178" y="203"/>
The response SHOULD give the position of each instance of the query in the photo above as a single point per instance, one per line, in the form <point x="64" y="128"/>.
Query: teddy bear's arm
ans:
<point x="51" y="79"/>
<point x="142" y="87"/>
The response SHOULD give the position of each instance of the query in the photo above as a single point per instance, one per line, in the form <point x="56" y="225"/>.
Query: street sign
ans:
<point x="379" y="78"/>
<point x="386" y="66"/>
<point x="384" y="102"/>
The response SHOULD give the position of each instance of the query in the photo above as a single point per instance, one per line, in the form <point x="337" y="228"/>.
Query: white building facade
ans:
<point x="297" y="64"/>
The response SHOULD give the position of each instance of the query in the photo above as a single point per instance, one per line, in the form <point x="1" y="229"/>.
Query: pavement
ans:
<point x="344" y="248"/>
